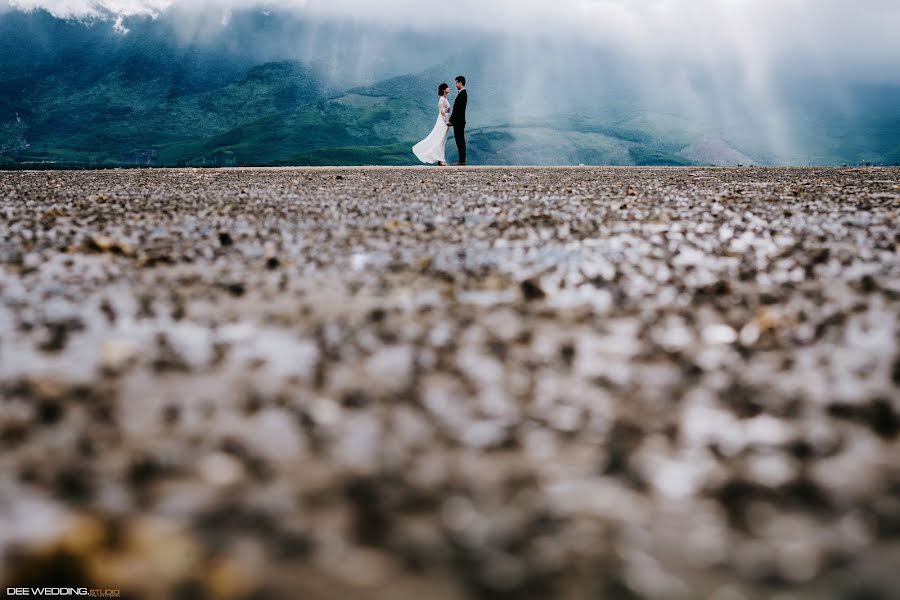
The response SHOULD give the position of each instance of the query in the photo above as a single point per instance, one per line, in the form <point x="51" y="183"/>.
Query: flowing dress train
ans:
<point x="431" y="149"/>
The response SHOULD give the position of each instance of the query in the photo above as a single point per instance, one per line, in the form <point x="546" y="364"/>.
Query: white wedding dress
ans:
<point x="431" y="149"/>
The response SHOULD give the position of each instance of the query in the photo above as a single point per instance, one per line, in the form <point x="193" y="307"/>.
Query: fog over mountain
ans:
<point x="827" y="35"/>
<point x="616" y="81"/>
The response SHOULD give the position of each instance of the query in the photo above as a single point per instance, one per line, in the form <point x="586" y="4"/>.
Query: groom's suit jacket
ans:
<point x="458" y="116"/>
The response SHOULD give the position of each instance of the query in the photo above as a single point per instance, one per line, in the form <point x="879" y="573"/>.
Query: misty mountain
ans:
<point x="261" y="88"/>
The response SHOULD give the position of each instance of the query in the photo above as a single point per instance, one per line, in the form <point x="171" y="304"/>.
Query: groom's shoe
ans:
<point x="459" y="164"/>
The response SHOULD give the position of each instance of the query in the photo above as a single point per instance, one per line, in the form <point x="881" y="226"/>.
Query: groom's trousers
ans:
<point x="459" y="134"/>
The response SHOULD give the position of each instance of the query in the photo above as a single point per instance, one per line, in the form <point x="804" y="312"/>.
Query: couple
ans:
<point x="431" y="149"/>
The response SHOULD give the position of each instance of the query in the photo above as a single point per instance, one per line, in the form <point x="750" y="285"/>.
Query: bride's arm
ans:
<point x="444" y="107"/>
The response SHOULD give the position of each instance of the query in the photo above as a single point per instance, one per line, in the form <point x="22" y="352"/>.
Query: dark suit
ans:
<point x="458" y="121"/>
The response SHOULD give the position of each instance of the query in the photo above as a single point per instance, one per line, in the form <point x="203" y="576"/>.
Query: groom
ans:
<point x="458" y="119"/>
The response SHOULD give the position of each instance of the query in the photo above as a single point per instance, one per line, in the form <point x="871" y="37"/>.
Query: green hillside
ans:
<point x="279" y="113"/>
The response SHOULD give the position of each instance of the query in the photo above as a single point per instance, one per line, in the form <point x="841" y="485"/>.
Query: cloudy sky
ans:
<point x="833" y="35"/>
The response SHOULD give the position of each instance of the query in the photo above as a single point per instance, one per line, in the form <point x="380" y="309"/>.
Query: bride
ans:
<point x="431" y="149"/>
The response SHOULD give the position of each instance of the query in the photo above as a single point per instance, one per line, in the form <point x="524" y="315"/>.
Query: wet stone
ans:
<point x="50" y="412"/>
<point x="236" y="289"/>
<point x="531" y="290"/>
<point x="356" y="399"/>
<point x="74" y="484"/>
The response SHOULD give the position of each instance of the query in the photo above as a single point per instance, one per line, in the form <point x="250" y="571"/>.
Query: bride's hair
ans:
<point x="441" y="89"/>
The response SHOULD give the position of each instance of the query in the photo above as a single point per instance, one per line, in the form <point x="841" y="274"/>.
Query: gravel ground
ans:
<point x="452" y="383"/>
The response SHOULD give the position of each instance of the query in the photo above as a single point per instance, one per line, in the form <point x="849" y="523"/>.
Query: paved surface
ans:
<point x="585" y="383"/>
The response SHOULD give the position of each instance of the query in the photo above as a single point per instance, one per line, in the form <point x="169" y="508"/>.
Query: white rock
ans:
<point x="117" y="354"/>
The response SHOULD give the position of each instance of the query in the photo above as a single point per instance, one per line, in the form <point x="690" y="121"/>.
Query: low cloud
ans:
<point x="763" y="35"/>
<point x="82" y="9"/>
